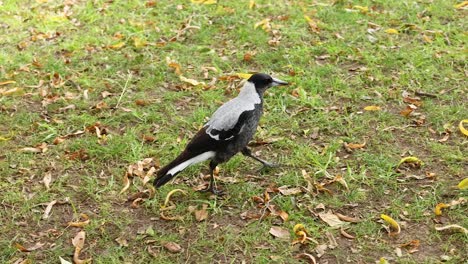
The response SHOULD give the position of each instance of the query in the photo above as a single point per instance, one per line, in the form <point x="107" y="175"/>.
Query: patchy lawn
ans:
<point x="91" y="88"/>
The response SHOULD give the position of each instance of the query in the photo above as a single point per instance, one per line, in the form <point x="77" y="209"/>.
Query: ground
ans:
<point x="89" y="88"/>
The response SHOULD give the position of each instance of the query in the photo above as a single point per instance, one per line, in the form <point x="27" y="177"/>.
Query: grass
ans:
<point x="88" y="53"/>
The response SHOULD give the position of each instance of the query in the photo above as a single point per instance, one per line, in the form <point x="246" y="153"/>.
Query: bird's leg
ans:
<point x="247" y="152"/>
<point x="211" y="188"/>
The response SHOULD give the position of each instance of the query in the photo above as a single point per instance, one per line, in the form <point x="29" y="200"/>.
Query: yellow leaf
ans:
<point x="382" y="260"/>
<point x="372" y="108"/>
<point x="117" y="46"/>
<point x="463" y="184"/>
<point x="13" y="92"/>
<point x="461" y="5"/>
<point x="244" y="75"/>
<point x="394" y="224"/>
<point x="439" y="207"/>
<point x="363" y="9"/>
<point x="139" y="43"/>
<point x="168" y="196"/>
<point x="251" y="4"/>
<point x="6" y="82"/>
<point x="391" y="31"/>
<point x="190" y="81"/>
<point x="415" y="160"/>
<point x="126" y="183"/>
<point x="308" y="18"/>
<point x="462" y="128"/>
<point x="264" y="22"/>
<point x="204" y="2"/>
<point x="427" y="39"/>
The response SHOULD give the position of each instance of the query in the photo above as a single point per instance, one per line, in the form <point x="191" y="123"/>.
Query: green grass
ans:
<point x="350" y="63"/>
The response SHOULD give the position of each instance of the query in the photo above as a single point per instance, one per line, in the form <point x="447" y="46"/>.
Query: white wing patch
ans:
<point x="202" y="157"/>
<point x="228" y="114"/>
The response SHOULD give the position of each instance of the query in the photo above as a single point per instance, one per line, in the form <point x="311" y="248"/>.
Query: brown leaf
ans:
<point x="280" y="232"/>
<point x="78" y="155"/>
<point x="202" y="214"/>
<point x="29" y="249"/>
<point x="47" y="180"/>
<point x="309" y="258"/>
<point x="41" y="148"/>
<point x="331" y="219"/>
<point x="355" y="145"/>
<point x="78" y="242"/>
<point x="141" y="102"/>
<point x="48" y="209"/>
<point x="173" y="247"/>
<point x="407" y="111"/>
<point x="345" y="234"/>
<point x="85" y="221"/>
<point x="414" y="101"/>
<point x="284" y="190"/>
<point x="247" y="57"/>
<point x="347" y="218"/>
<point x="122" y="241"/>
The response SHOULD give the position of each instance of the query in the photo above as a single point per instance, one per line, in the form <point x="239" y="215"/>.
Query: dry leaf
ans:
<point x="280" y="232"/>
<point x="126" y="181"/>
<point x="13" y="92"/>
<point x="439" y="207"/>
<point x="331" y="219"/>
<point x="80" y="224"/>
<point x="191" y="81"/>
<point x="204" y="2"/>
<point x="372" y="108"/>
<point x="355" y="145"/>
<point x="394" y="224"/>
<point x="345" y="234"/>
<point x="457" y="228"/>
<point x="347" y="218"/>
<point x="47" y="180"/>
<point x="202" y="214"/>
<point x="168" y="196"/>
<point x="309" y="258"/>
<point x="173" y="247"/>
<point x="63" y="261"/>
<point x="461" y="5"/>
<point x="78" y="243"/>
<point x="284" y="190"/>
<point x="48" y="209"/>
<point x="29" y="249"/>
<point x="122" y="241"/>
<point x="117" y="46"/>
<point x="6" y="82"/>
<point x="407" y="111"/>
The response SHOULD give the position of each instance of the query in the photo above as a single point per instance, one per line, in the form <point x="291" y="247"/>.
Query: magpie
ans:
<point x="228" y="132"/>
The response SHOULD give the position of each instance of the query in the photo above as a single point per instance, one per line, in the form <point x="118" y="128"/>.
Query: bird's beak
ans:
<point x="277" y="82"/>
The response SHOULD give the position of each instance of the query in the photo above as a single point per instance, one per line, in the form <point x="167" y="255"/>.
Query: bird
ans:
<point x="227" y="132"/>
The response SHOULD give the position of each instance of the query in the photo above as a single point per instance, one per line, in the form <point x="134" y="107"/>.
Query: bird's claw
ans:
<point x="213" y="190"/>
<point x="268" y="165"/>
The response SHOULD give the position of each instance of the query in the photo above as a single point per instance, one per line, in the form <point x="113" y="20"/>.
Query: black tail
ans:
<point x="163" y="176"/>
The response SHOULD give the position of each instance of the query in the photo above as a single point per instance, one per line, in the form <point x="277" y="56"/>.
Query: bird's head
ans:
<point x="264" y="81"/>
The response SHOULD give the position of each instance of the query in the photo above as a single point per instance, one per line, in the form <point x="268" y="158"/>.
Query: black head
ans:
<point x="264" y="81"/>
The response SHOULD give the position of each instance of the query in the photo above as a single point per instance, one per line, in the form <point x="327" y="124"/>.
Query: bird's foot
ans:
<point x="213" y="190"/>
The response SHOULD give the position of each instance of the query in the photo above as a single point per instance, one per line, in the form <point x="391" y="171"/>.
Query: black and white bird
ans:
<point x="227" y="132"/>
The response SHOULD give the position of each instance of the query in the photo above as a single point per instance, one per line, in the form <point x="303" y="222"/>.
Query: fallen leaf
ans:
<point x="202" y="214"/>
<point x="48" y="209"/>
<point x="175" y="66"/>
<point x="139" y="43"/>
<point x="407" y="111"/>
<point x="6" y="82"/>
<point x="309" y="258"/>
<point x="47" y="180"/>
<point x="463" y="185"/>
<point x="168" y="196"/>
<point x="331" y="219"/>
<point x="439" y="207"/>
<point x="372" y="108"/>
<point x="122" y="241"/>
<point x="345" y="234"/>
<point x="126" y="181"/>
<point x="63" y="261"/>
<point x="462" y="128"/>
<point x="13" y="92"/>
<point x="355" y="145"/>
<point x="284" y="190"/>
<point x="394" y="224"/>
<point x="391" y="31"/>
<point x="117" y="46"/>
<point x="41" y="148"/>
<point x="265" y="23"/>
<point x="29" y="249"/>
<point x="452" y="227"/>
<point x="191" y="81"/>
<point x="461" y="5"/>
<point x="78" y="243"/>
<point x="85" y="221"/>
<point x="173" y="247"/>
<point x="412" y="160"/>
<point x="280" y="232"/>
<point x="347" y="218"/>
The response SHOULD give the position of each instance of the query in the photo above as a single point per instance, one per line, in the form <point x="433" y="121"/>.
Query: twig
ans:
<point x="421" y="93"/>
<point x="123" y="90"/>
